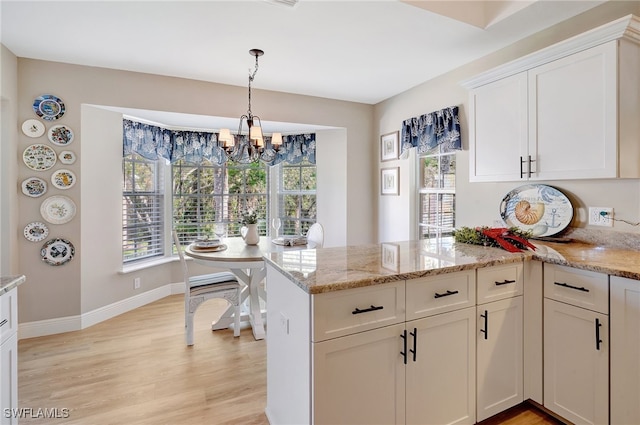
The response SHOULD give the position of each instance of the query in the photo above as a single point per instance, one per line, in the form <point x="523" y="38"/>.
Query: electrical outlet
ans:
<point x="600" y="216"/>
<point x="136" y="283"/>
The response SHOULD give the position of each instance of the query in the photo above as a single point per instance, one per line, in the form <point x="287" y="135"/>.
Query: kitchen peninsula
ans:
<point x="434" y="331"/>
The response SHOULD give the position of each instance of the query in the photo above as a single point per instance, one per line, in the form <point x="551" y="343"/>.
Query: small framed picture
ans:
<point x="389" y="184"/>
<point x="390" y="256"/>
<point x="389" y="146"/>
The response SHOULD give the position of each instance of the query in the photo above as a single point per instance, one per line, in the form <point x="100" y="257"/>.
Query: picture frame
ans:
<point x="389" y="181"/>
<point x="390" y="256"/>
<point x="389" y="146"/>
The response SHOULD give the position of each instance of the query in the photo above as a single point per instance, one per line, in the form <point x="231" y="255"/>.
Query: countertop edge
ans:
<point x="381" y="279"/>
<point x="7" y="283"/>
<point x="590" y="267"/>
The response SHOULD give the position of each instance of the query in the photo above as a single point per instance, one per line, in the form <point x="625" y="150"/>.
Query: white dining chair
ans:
<point x="315" y="235"/>
<point x="201" y="288"/>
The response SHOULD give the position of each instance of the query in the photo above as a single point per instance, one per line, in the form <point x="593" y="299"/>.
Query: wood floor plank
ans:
<point x="136" y="369"/>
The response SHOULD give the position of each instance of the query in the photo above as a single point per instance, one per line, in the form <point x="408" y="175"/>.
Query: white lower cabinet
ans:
<point x="421" y="373"/>
<point x="625" y="351"/>
<point x="499" y="356"/>
<point x="360" y="378"/>
<point x="576" y="363"/>
<point x="9" y="380"/>
<point x="8" y="356"/>
<point x="440" y="372"/>
<point x="576" y="344"/>
<point x="499" y="347"/>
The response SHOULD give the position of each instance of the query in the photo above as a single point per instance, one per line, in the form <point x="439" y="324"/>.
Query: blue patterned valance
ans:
<point x="153" y="142"/>
<point x="294" y="149"/>
<point x="431" y="130"/>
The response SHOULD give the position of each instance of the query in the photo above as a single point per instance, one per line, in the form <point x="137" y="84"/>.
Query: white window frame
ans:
<point x="276" y="208"/>
<point x="425" y="229"/>
<point x="160" y="186"/>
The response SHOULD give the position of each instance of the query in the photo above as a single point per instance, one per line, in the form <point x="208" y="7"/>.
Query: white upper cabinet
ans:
<point x="565" y="112"/>
<point x="498" y="130"/>
<point x="572" y="116"/>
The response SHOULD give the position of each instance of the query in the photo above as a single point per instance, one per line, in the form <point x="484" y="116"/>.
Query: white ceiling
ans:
<point x="361" y="51"/>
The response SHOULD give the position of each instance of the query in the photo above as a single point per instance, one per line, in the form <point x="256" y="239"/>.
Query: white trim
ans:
<point x="142" y="265"/>
<point x="627" y="27"/>
<point x="75" y="323"/>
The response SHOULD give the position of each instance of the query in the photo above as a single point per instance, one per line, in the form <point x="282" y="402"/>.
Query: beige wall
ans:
<point x="92" y="281"/>
<point x="8" y="165"/>
<point x="478" y="203"/>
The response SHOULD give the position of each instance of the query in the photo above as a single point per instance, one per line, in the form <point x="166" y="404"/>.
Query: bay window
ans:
<point x="196" y="198"/>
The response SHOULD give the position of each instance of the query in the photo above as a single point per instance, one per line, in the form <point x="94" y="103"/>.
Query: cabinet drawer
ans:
<point x="439" y="294"/>
<point x="8" y="314"/>
<point x="500" y="282"/>
<point x="581" y="288"/>
<point x="349" y="311"/>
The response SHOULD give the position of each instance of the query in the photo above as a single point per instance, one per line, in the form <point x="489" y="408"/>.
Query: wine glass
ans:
<point x="219" y="230"/>
<point x="276" y="223"/>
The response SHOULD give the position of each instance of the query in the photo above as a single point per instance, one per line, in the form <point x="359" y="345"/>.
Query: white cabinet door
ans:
<point x="573" y="115"/>
<point x="8" y="314"/>
<point x="360" y="378"/>
<point x="625" y="351"/>
<point x="499" y="356"/>
<point x="441" y="377"/>
<point x="576" y="363"/>
<point x="498" y="131"/>
<point x="9" y="380"/>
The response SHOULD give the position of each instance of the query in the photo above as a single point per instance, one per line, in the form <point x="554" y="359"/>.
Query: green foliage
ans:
<point x="475" y="236"/>
<point x="249" y="217"/>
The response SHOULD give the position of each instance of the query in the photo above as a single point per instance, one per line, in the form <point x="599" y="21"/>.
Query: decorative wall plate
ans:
<point x="63" y="179"/>
<point x="57" y="252"/>
<point x="67" y="157"/>
<point x="39" y="157"/>
<point x="34" y="187"/>
<point x="33" y="128"/>
<point x="58" y="209"/>
<point x="48" y="107"/>
<point x="537" y="207"/>
<point x="60" y="135"/>
<point x="36" y="231"/>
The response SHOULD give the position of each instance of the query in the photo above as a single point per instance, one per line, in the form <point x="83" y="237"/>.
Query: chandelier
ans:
<point x="256" y="139"/>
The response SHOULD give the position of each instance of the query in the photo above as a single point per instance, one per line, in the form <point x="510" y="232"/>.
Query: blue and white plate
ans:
<point x="48" y="107"/>
<point x="537" y="207"/>
<point x="57" y="252"/>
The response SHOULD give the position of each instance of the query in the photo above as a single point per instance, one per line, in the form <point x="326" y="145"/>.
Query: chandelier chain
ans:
<point x="251" y="77"/>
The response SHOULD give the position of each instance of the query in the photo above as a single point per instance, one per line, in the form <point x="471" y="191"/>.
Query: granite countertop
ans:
<point x="7" y="283"/>
<point x="601" y="258"/>
<point x="332" y="269"/>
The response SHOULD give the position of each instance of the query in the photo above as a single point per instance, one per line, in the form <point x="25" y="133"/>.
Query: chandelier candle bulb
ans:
<point x="276" y="140"/>
<point x="226" y="138"/>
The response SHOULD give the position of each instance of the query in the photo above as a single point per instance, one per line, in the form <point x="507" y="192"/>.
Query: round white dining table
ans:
<point x="247" y="263"/>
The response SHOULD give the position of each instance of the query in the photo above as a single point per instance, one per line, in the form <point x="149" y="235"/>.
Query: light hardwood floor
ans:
<point x="135" y="369"/>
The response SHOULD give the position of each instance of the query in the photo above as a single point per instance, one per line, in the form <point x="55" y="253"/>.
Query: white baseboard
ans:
<point x="76" y="323"/>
